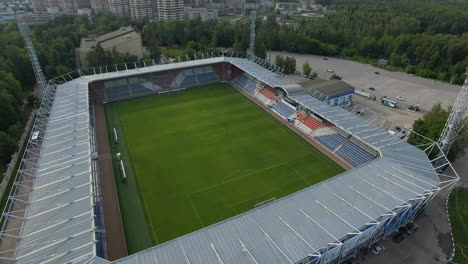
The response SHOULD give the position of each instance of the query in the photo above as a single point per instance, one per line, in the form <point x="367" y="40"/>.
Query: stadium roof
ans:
<point x="326" y="87"/>
<point x="59" y="224"/>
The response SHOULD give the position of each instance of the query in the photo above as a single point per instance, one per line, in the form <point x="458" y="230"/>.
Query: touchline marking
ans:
<point x="195" y="209"/>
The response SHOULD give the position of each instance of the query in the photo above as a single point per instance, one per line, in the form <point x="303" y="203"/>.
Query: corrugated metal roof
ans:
<point x="59" y="225"/>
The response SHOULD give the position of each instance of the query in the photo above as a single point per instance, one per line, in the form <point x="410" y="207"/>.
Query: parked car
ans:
<point x="412" y="75"/>
<point x="330" y="71"/>
<point x="411" y="228"/>
<point x="325" y="58"/>
<point x="398" y="237"/>
<point x="377" y="249"/>
<point x="400" y="98"/>
<point x="372" y="88"/>
<point x="378" y="73"/>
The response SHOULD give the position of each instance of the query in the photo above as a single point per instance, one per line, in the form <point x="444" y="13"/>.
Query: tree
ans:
<point x="9" y="110"/>
<point x="313" y="75"/>
<point x="306" y="69"/>
<point x="289" y="65"/>
<point x="335" y="77"/>
<point x="260" y="50"/>
<point x="7" y="148"/>
<point x="279" y="61"/>
<point x="431" y="126"/>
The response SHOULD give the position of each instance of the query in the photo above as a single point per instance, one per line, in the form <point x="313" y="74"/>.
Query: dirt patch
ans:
<point x="115" y="236"/>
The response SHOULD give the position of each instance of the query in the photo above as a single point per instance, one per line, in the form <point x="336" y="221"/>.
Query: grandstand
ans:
<point x="390" y="184"/>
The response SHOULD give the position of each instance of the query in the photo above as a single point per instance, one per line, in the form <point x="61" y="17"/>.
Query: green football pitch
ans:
<point x="200" y="156"/>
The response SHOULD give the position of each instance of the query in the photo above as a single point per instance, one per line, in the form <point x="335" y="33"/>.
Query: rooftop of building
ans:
<point x="327" y="87"/>
<point x="108" y="39"/>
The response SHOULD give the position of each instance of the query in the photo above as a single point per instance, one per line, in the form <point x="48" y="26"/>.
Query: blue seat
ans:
<point x="331" y="141"/>
<point x="242" y="80"/>
<point x="354" y="154"/>
<point x="138" y="88"/>
<point x="250" y="87"/>
<point x="207" y="77"/>
<point x="117" y="91"/>
<point x="283" y="109"/>
<point x="189" y="80"/>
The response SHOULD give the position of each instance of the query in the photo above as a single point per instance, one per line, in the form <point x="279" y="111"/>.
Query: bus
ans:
<point x="388" y="102"/>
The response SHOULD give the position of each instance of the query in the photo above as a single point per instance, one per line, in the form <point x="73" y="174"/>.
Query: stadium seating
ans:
<point x="219" y="70"/>
<point x="328" y="124"/>
<point x="354" y="154"/>
<point x="117" y="91"/>
<point x="241" y="80"/>
<point x="189" y="80"/>
<point x="250" y="87"/>
<point x="235" y="72"/>
<point x="270" y="93"/>
<point x="206" y="77"/>
<point x="311" y="122"/>
<point x="260" y="97"/>
<point x="331" y="141"/>
<point x="300" y="117"/>
<point x="138" y="88"/>
<point x="284" y="109"/>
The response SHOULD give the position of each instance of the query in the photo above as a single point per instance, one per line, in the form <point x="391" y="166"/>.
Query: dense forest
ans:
<point x="426" y="38"/>
<point x="55" y="44"/>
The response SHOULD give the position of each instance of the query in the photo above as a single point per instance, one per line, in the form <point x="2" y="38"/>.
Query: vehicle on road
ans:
<point x="414" y="107"/>
<point x="378" y="73"/>
<point x="400" y="98"/>
<point x="377" y="249"/>
<point x="330" y="71"/>
<point x="325" y="58"/>
<point x="398" y="237"/>
<point x="372" y="88"/>
<point x="412" y="75"/>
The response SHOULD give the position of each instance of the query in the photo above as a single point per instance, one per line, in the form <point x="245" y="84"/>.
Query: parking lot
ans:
<point x="414" y="90"/>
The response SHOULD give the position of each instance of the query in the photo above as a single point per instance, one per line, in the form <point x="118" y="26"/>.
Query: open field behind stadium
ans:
<point x="200" y="156"/>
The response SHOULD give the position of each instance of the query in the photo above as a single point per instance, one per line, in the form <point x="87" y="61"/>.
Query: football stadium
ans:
<point x="219" y="159"/>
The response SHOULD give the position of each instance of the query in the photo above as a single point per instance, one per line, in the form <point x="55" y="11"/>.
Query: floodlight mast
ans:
<point x="24" y="31"/>
<point x="455" y="119"/>
<point x="253" y="18"/>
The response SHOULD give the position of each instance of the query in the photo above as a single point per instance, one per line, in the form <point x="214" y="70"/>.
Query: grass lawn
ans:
<point x="461" y="235"/>
<point x="203" y="155"/>
<point x="174" y="52"/>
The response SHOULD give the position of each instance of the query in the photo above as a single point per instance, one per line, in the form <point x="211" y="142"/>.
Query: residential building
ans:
<point x="200" y="12"/>
<point x="99" y="6"/>
<point x="125" y="40"/>
<point x="141" y="9"/>
<point x="170" y="9"/>
<point x="120" y="8"/>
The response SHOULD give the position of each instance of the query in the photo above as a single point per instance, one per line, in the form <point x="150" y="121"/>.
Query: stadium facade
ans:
<point x="53" y="214"/>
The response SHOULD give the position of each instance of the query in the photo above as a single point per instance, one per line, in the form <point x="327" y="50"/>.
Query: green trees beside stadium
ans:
<point x="431" y="126"/>
<point x="427" y="38"/>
